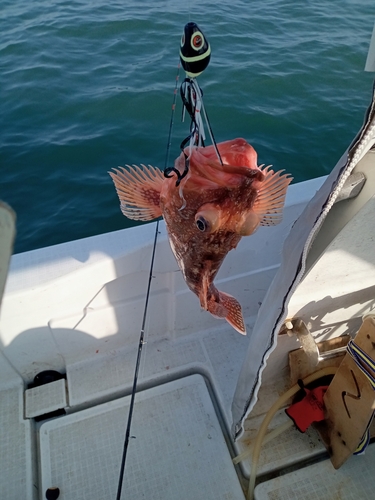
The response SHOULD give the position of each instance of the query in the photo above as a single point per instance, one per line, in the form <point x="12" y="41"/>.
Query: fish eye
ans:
<point x="197" y="40"/>
<point x="202" y="224"/>
<point x="207" y="219"/>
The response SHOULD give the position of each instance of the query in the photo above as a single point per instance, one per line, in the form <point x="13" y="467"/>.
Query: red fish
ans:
<point x="206" y="216"/>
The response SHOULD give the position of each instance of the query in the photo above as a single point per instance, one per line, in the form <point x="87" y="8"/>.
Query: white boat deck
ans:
<point x="353" y="481"/>
<point x="77" y="308"/>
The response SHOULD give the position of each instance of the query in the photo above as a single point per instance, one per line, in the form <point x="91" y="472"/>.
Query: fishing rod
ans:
<point x="195" y="55"/>
<point x="136" y="371"/>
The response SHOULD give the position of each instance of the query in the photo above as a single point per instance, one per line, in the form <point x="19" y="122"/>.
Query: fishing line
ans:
<point x="192" y="100"/>
<point x="142" y="334"/>
<point x="172" y="118"/>
<point x="195" y="55"/>
<point x="211" y="134"/>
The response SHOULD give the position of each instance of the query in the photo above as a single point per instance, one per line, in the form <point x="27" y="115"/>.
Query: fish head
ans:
<point x="218" y="193"/>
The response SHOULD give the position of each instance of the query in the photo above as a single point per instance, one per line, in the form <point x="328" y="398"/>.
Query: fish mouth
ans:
<point x="226" y="168"/>
<point x="239" y="160"/>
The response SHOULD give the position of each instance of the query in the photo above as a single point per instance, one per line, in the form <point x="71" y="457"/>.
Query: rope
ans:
<point x="363" y="361"/>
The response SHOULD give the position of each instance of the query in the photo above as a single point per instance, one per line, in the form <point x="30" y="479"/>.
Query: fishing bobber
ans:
<point x="195" y="51"/>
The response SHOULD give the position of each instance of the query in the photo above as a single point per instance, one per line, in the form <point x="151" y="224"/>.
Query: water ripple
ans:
<point x="87" y="86"/>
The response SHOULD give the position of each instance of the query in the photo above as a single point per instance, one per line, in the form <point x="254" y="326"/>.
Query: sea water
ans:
<point x="88" y="86"/>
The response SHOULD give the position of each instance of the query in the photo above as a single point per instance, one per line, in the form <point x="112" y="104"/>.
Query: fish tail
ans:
<point x="229" y="308"/>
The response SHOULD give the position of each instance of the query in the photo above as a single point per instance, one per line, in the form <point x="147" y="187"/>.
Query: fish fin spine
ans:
<point x="271" y="196"/>
<point x="138" y="189"/>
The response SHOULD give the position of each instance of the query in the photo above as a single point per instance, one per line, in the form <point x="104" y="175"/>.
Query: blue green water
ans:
<point x="87" y="86"/>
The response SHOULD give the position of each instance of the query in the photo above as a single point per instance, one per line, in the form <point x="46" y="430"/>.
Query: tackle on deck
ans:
<point x="195" y="55"/>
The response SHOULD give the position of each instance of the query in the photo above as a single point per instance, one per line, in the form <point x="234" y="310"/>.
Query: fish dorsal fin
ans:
<point x="139" y="191"/>
<point x="271" y="196"/>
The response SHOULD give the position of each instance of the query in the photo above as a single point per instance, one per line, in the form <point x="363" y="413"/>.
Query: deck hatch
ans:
<point x="177" y="448"/>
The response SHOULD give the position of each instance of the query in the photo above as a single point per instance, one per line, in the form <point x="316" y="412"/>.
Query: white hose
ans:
<point x="268" y="437"/>
<point x="330" y="370"/>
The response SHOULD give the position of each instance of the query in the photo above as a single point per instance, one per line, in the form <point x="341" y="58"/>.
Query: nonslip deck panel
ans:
<point x="16" y="457"/>
<point x="45" y="398"/>
<point x="355" y="480"/>
<point x="177" y="448"/>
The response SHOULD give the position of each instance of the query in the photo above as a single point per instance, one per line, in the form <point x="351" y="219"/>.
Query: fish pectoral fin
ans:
<point x="271" y="197"/>
<point x="139" y="190"/>
<point x="229" y="308"/>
